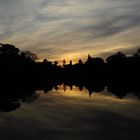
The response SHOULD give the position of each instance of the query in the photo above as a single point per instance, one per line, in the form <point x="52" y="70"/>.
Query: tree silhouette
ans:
<point x="137" y="54"/>
<point x="30" y="56"/>
<point x="96" y="73"/>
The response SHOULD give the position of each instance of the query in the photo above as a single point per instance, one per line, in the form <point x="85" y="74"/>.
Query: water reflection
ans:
<point x="66" y="113"/>
<point x="13" y="95"/>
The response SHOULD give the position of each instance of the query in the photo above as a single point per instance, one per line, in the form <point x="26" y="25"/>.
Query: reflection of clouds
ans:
<point x="73" y="115"/>
<point x="52" y="28"/>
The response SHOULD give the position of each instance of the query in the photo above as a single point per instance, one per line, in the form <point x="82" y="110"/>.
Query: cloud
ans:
<point x="54" y="28"/>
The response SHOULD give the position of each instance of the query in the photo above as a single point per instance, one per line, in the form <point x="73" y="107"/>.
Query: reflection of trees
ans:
<point x="119" y="89"/>
<point x="120" y="73"/>
<point x="12" y="96"/>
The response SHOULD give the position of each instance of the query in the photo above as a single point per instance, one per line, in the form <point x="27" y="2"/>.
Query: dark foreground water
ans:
<point x="73" y="115"/>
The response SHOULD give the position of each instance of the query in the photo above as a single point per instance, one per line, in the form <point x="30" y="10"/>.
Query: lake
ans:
<point x="66" y="113"/>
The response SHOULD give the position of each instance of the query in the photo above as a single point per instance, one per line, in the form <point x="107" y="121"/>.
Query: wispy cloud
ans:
<point x="59" y="28"/>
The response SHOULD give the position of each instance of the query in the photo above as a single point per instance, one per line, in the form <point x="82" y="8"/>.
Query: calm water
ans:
<point x="73" y="115"/>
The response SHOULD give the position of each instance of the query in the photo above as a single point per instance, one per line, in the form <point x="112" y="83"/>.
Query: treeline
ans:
<point x="22" y="66"/>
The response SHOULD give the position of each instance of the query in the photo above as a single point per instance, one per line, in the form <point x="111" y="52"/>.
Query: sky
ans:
<point x="71" y="29"/>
